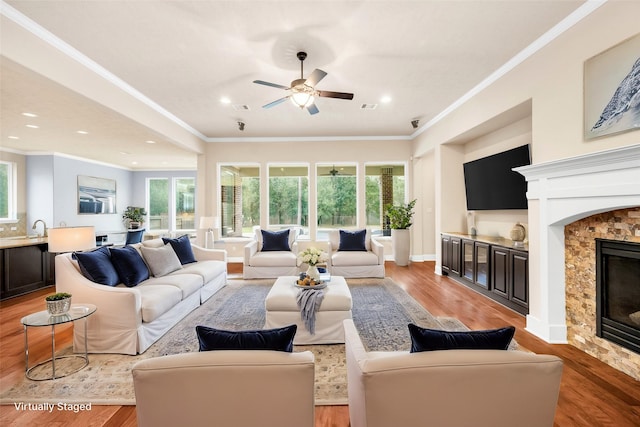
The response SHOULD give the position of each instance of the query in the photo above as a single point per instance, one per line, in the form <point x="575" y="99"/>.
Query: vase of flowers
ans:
<point x="312" y="257"/>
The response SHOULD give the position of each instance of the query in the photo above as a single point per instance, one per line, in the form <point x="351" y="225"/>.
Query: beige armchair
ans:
<point x="451" y="388"/>
<point x="230" y="388"/>
<point x="259" y="264"/>
<point x="367" y="263"/>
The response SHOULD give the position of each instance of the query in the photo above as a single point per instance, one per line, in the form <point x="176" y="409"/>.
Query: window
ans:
<point x="158" y="190"/>
<point x="240" y="199"/>
<point x="289" y="197"/>
<point x="185" y="206"/>
<point x="384" y="184"/>
<point x="8" y="191"/>
<point x="337" y="198"/>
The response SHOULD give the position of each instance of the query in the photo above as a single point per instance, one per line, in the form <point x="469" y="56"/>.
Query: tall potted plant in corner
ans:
<point x="400" y="217"/>
<point x="134" y="217"/>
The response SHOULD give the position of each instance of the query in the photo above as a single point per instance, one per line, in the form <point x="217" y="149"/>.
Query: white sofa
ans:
<point x="449" y="388"/>
<point x="258" y="264"/>
<point x="368" y="263"/>
<point x="230" y="388"/>
<point x="130" y="319"/>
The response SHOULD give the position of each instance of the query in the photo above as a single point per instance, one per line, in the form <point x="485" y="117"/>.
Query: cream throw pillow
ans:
<point x="161" y="261"/>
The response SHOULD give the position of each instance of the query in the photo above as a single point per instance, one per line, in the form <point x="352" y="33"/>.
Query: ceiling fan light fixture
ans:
<point x="302" y="99"/>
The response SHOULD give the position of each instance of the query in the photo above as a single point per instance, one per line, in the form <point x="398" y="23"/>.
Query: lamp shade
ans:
<point x="208" y="222"/>
<point x="69" y="239"/>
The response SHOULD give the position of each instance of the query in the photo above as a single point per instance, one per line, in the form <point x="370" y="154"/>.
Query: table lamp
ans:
<point x="209" y="223"/>
<point x="69" y="239"/>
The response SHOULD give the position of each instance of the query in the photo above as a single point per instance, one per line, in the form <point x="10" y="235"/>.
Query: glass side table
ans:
<point x="43" y="318"/>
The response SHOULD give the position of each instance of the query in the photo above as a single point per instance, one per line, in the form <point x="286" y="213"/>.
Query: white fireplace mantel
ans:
<point x="559" y="193"/>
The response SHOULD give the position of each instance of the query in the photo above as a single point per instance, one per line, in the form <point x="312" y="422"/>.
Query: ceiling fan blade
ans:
<point x="262" y="82"/>
<point x="276" y="102"/>
<point x="315" y="77"/>
<point x="339" y="95"/>
<point x="312" y="109"/>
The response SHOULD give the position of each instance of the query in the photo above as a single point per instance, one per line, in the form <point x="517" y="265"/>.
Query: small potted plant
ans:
<point x="134" y="217"/>
<point x="58" y="303"/>
<point x="400" y="217"/>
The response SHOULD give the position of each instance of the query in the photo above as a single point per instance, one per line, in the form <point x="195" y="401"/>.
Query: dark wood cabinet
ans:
<point x="24" y="269"/>
<point x="495" y="270"/>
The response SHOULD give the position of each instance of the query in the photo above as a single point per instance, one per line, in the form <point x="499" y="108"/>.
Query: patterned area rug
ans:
<point x="381" y="313"/>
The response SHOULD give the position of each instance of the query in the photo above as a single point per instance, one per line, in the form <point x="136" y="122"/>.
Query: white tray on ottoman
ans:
<point x="282" y="310"/>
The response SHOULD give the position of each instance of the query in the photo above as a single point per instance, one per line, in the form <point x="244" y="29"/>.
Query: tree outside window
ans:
<point x="384" y="184"/>
<point x="158" y="204"/>
<point x="240" y="199"/>
<point x="337" y="198"/>
<point x="289" y="197"/>
<point x="185" y="197"/>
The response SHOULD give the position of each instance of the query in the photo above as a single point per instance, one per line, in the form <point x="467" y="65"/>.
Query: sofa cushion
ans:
<point x="207" y="270"/>
<point x="352" y="240"/>
<point x="187" y="283"/>
<point x="162" y="260"/>
<point x="279" y="339"/>
<point x="423" y="339"/>
<point x="273" y="259"/>
<point x="129" y="265"/>
<point x="354" y="258"/>
<point x="182" y="246"/>
<point x="156" y="300"/>
<point x="275" y="240"/>
<point x="293" y="234"/>
<point x="97" y="267"/>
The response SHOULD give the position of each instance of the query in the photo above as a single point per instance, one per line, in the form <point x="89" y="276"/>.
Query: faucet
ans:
<point x="44" y="225"/>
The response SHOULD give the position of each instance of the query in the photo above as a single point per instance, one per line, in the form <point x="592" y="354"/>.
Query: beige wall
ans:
<point x="551" y="83"/>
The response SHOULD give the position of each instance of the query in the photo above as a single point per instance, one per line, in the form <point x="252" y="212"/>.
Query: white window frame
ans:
<point x="12" y="194"/>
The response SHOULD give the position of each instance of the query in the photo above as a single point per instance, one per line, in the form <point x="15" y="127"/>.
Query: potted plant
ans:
<point x="400" y="217"/>
<point x="134" y="217"/>
<point x="58" y="303"/>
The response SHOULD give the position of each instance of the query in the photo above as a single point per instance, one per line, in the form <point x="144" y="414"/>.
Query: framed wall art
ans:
<point x="612" y="90"/>
<point x="96" y="195"/>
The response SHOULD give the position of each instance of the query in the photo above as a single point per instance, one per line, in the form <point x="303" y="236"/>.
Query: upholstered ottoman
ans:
<point x="282" y="310"/>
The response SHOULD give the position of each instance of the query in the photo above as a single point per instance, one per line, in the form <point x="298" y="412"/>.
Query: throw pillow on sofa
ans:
<point x="275" y="240"/>
<point x="161" y="261"/>
<point x="423" y="339"/>
<point x="353" y="240"/>
<point x="182" y="247"/>
<point x="129" y="265"/>
<point x="278" y="339"/>
<point x="97" y="267"/>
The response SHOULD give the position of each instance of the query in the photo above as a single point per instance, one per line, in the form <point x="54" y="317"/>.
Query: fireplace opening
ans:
<point x="618" y="292"/>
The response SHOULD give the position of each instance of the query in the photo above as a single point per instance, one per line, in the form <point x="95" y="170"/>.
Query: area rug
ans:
<point x="381" y="313"/>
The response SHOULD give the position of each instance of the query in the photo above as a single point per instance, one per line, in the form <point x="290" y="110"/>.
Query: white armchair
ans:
<point x="259" y="264"/>
<point x="365" y="263"/>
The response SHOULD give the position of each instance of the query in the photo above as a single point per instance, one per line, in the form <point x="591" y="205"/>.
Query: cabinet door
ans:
<point x="519" y="263"/>
<point x="481" y="266"/>
<point x="454" y="264"/>
<point x="500" y="271"/>
<point x="24" y="270"/>
<point x="446" y="254"/>
<point x="468" y="249"/>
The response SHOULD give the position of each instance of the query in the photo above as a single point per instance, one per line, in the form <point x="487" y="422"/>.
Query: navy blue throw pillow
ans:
<point x="97" y="267"/>
<point x="279" y="339"/>
<point x="352" y="240"/>
<point x="275" y="240"/>
<point x="431" y="339"/>
<point x="129" y="265"/>
<point x="182" y="247"/>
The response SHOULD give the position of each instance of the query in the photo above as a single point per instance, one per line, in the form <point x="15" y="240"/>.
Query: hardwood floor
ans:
<point x="592" y="393"/>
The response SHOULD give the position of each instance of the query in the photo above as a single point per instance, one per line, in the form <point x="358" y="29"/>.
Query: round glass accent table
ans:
<point x="43" y="318"/>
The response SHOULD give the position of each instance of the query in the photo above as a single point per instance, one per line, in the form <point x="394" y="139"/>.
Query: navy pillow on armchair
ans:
<point x="353" y="240"/>
<point x="279" y="339"/>
<point x="275" y="240"/>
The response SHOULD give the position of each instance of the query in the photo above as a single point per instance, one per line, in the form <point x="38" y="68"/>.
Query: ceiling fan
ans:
<point x="303" y="91"/>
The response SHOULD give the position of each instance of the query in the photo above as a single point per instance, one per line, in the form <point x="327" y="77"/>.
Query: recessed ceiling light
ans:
<point x="29" y="114"/>
<point x="385" y="99"/>
<point x="148" y="141"/>
<point x="82" y="132"/>
<point x="12" y="137"/>
<point x="33" y="126"/>
<point x="134" y="163"/>
<point x="124" y="153"/>
<point x="225" y="100"/>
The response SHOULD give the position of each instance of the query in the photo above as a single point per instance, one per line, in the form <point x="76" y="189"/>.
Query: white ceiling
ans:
<point x="184" y="56"/>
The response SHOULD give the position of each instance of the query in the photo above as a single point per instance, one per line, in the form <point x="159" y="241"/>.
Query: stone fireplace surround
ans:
<point x="561" y="192"/>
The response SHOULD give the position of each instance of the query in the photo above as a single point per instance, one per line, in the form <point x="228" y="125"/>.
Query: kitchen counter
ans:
<point x="18" y="242"/>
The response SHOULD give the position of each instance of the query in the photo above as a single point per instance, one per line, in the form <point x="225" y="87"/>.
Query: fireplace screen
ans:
<point x="618" y="292"/>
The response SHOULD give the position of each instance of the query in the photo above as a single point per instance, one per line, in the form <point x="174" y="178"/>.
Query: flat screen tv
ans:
<point x="490" y="184"/>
